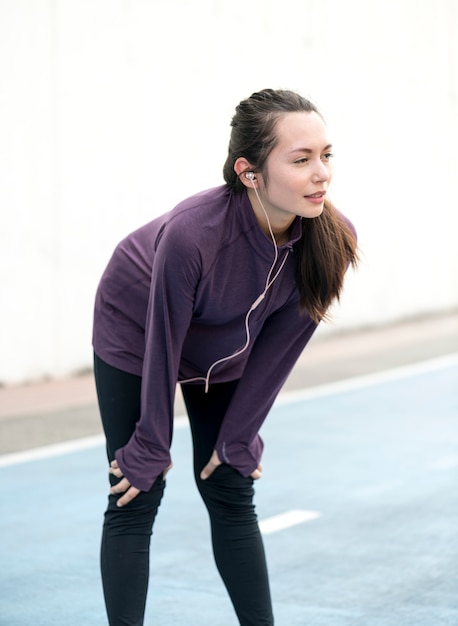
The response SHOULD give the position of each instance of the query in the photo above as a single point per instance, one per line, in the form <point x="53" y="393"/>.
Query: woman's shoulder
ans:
<point x="186" y="218"/>
<point x="207" y="205"/>
<point x="201" y="216"/>
<point x="199" y="224"/>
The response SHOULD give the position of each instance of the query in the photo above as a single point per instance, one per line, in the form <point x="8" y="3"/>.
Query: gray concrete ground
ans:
<point x="53" y="411"/>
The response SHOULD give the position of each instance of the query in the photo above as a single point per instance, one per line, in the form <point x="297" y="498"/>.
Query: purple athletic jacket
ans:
<point x="173" y="301"/>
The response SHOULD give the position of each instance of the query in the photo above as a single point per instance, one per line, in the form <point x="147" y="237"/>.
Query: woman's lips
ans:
<point x="317" y="197"/>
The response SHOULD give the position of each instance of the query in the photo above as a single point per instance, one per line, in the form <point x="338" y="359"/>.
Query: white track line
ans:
<point x="368" y="380"/>
<point x="288" y="397"/>
<point x="286" y="520"/>
<point x="56" y="449"/>
<point x="65" y="447"/>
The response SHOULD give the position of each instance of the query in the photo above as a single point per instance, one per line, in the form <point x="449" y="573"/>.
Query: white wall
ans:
<point x="111" y="111"/>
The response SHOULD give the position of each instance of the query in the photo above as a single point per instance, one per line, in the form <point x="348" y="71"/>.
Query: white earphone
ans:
<point x="271" y="278"/>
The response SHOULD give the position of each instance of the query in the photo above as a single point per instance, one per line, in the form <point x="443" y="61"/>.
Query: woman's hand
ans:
<point x="214" y="462"/>
<point x="124" y="485"/>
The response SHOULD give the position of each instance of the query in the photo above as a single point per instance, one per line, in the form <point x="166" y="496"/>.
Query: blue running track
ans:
<point x="358" y="502"/>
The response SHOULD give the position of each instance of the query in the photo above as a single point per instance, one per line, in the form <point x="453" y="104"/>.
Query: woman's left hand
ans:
<point x="214" y="462"/>
<point x="123" y="486"/>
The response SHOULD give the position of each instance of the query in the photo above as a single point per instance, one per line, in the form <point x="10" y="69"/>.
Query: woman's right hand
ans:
<point x="130" y="492"/>
<point x="214" y="462"/>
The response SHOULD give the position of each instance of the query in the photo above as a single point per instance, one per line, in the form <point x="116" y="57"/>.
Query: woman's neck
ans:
<point x="281" y="232"/>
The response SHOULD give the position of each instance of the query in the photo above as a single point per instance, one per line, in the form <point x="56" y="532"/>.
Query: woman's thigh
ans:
<point x="226" y="492"/>
<point x="206" y="412"/>
<point x="119" y="399"/>
<point x="119" y="395"/>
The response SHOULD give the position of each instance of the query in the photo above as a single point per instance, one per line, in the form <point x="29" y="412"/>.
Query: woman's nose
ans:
<point x="321" y="172"/>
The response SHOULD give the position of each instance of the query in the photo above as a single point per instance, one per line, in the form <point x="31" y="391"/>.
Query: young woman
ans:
<point x="221" y="295"/>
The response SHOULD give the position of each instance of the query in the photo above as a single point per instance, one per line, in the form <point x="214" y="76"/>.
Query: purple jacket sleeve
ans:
<point x="176" y="271"/>
<point x="276" y="350"/>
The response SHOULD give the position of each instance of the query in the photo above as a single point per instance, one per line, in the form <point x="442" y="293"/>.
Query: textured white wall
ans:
<point x="111" y="111"/>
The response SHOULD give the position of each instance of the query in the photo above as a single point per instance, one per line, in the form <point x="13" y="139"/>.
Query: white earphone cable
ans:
<point x="269" y="282"/>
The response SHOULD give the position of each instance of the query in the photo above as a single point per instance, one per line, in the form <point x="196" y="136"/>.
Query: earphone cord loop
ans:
<point x="269" y="282"/>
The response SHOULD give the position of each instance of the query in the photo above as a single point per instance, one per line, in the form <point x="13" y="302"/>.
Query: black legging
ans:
<point x="228" y="496"/>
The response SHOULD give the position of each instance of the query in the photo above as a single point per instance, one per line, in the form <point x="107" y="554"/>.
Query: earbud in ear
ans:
<point x="250" y="176"/>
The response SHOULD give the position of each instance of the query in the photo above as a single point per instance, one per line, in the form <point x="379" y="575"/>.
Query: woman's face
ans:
<point x="298" y="169"/>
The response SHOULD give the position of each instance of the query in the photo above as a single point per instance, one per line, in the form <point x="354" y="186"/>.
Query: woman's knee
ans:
<point x="138" y="516"/>
<point x="228" y="494"/>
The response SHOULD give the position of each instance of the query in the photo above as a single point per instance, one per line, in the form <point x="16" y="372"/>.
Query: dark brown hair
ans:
<point x="328" y="245"/>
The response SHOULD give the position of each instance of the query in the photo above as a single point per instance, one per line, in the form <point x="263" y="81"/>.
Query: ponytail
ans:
<point x="327" y="247"/>
<point x="328" y="244"/>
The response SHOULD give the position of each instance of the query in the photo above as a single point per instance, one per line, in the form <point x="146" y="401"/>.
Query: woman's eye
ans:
<point x="325" y="157"/>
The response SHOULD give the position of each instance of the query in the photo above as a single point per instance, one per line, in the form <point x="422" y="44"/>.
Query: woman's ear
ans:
<point x="244" y="171"/>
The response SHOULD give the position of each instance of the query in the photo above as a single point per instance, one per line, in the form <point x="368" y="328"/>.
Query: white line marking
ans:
<point x="359" y="382"/>
<point x="65" y="447"/>
<point x="287" y="397"/>
<point x="286" y="520"/>
<point x="55" y="449"/>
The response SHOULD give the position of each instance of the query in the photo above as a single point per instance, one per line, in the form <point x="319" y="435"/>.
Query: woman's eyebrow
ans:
<point x="308" y="150"/>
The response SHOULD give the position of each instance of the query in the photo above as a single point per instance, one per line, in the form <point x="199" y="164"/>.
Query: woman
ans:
<point x="221" y="295"/>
